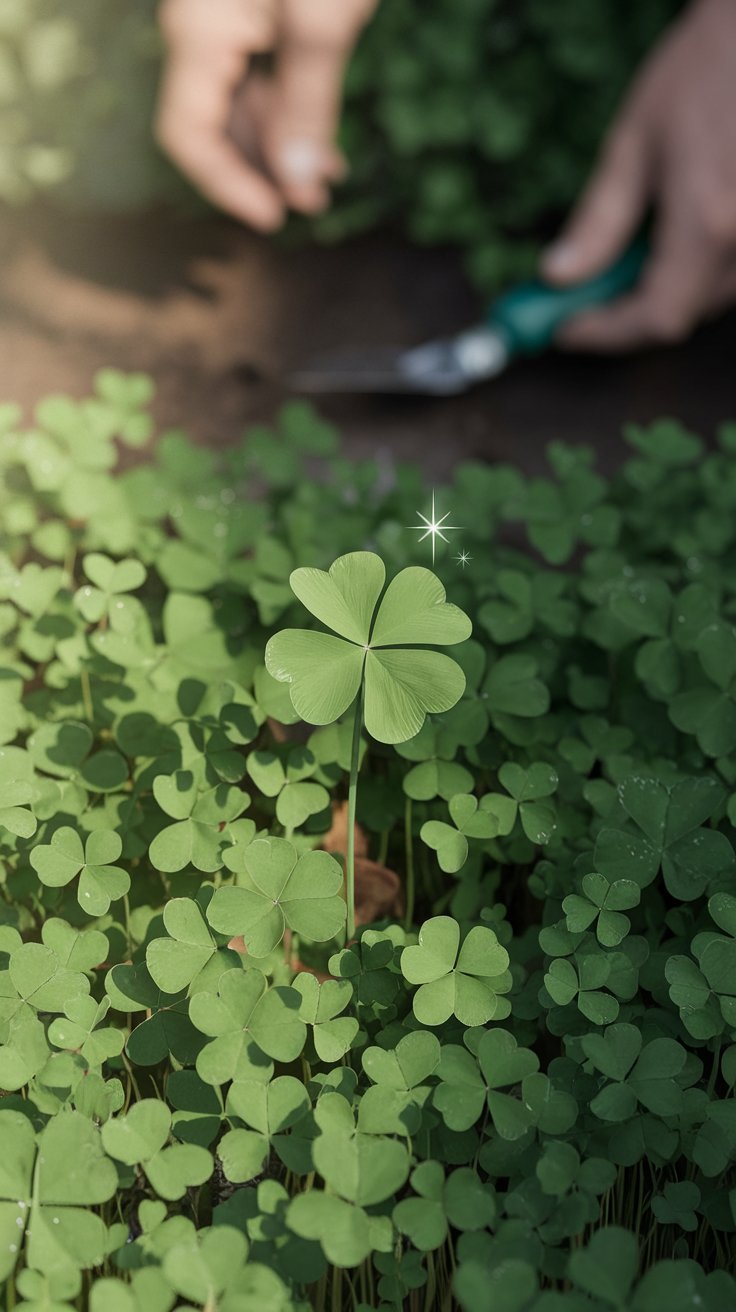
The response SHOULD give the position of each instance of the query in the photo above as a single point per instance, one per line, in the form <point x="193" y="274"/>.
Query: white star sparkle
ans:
<point x="463" y="559"/>
<point x="434" y="528"/>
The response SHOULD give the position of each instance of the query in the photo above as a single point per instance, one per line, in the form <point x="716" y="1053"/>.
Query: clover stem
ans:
<point x="352" y="800"/>
<point x="87" y="695"/>
<point x="409" y="845"/>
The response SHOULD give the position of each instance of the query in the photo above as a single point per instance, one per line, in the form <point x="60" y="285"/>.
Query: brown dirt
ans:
<point x="217" y="315"/>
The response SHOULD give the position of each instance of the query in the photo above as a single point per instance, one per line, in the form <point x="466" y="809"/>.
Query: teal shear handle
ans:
<point x="528" y="317"/>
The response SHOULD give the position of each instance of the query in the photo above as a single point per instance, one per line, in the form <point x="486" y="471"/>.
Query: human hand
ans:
<point x="673" y="146"/>
<point x="288" y="120"/>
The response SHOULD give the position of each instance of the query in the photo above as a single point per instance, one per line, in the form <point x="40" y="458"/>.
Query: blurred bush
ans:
<point x="467" y="121"/>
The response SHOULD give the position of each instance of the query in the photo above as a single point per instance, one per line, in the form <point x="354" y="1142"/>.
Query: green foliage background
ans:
<point x="468" y="121"/>
<point x="521" y="1095"/>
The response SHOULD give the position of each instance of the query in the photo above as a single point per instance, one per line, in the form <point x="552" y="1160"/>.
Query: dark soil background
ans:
<point x="218" y="316"/>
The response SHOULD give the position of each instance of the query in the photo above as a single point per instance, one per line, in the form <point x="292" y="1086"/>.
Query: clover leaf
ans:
<point x="383" y="649"/>
<point x="603" y="903"/>
<point x="101" y="882"/>
<point x="278" y="889"/>
<point x="242" y="1013"/>
<point x="471" y="819"/>
<point x="104" y="597"/>
<point x="361" y="1168"/>
<point x="200" y="814"/>
<point x="466" y="981"/>
<point x="321" y="1007"/>
<point x="139" y="1137"/>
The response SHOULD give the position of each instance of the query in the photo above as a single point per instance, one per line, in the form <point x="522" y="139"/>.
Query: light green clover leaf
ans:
<point x="361" y="1168"/>
<point x="101" y="882"/>
<point x="384" y="650"/>
<point x="466" y="981"/>
<point x="79" y="1031"/>
<point x="104" y="597"/>
<point x="470" y="820"/>
<point x="269" y="1109"/>
<point x="48" y="1186"/>
<point x="321" y="1008"/>
<point x="245" y="1012"/>
<point x="14" y="813"/>
<point x="139" y="1138"/>
<point x="175" y="962"/>
<point x="196" y="837"/>
<point x="278" y="889"/>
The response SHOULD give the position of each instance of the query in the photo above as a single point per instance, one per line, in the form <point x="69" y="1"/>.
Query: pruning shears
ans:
<point x="522" y="322"/>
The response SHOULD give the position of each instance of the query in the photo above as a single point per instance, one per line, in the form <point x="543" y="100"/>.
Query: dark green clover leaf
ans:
<point x="678" y="1204"/>
<point x="100" y="881"/>
<point x="511" y="688"/>
<point x="669" y="833"/>
<point x="321" y="1007"/>
<point x="384" y="650"/>
<point x="461" y="1200"/>
<point x="691" y="994"/>
<point x="708" y="710"/>
<point x="717" y="954"/>
<point x="603" y="903"/>
<point x="646" y="1074"/>
<point x="468" y="1083"/>
<point x="582" y="980"/>
<point x="278" y="889"/>
<point x="606" y="1269"/>
<point x="471" y="819"/>
<point x="139" y="1138"/>
<point x="167" y="1029"/>
<point x="243" y="1012"/>
<point x="466" y="981"/>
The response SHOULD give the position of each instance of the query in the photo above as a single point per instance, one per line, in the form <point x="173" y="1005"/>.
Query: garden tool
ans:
<point x="521" y="322"/>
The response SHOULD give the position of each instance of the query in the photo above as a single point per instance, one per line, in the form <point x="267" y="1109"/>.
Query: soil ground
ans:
<point x="218" y="315"/>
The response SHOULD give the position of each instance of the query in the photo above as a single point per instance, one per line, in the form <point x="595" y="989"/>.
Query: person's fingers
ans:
<point x="609" y="211"/>
<point x="300" y="133"/>
<point x="678" y="285"/>
<point x="192" y="126"/>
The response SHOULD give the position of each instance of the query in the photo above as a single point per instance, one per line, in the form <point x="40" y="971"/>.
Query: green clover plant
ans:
<point x="380" y="661"/>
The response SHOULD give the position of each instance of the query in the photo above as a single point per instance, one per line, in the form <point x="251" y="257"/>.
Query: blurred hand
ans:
<point x="673" y="146"/>
<point x="256" y="148"/>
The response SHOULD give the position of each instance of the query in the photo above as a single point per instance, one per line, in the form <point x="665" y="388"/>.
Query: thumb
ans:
<point x="608" y="213"/>
<point x="300" y="134"/>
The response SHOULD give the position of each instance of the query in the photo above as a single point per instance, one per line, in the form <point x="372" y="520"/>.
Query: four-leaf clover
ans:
<point x="384" y="649"/>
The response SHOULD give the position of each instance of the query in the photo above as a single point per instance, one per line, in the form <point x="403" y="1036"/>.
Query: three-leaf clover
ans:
<point x="603" y="903"/>
<point x="244" y="1012"/>
<point x="450" y="842"/>
<point x="322" y="1006"/>
<point x="101" y="882"/>
<point x="104" y="597"/>
<point x="465" y="981"/>
<point x="277" y="889"/>
<point x="384" y="649"/>
<point x="140" y="1137"/>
